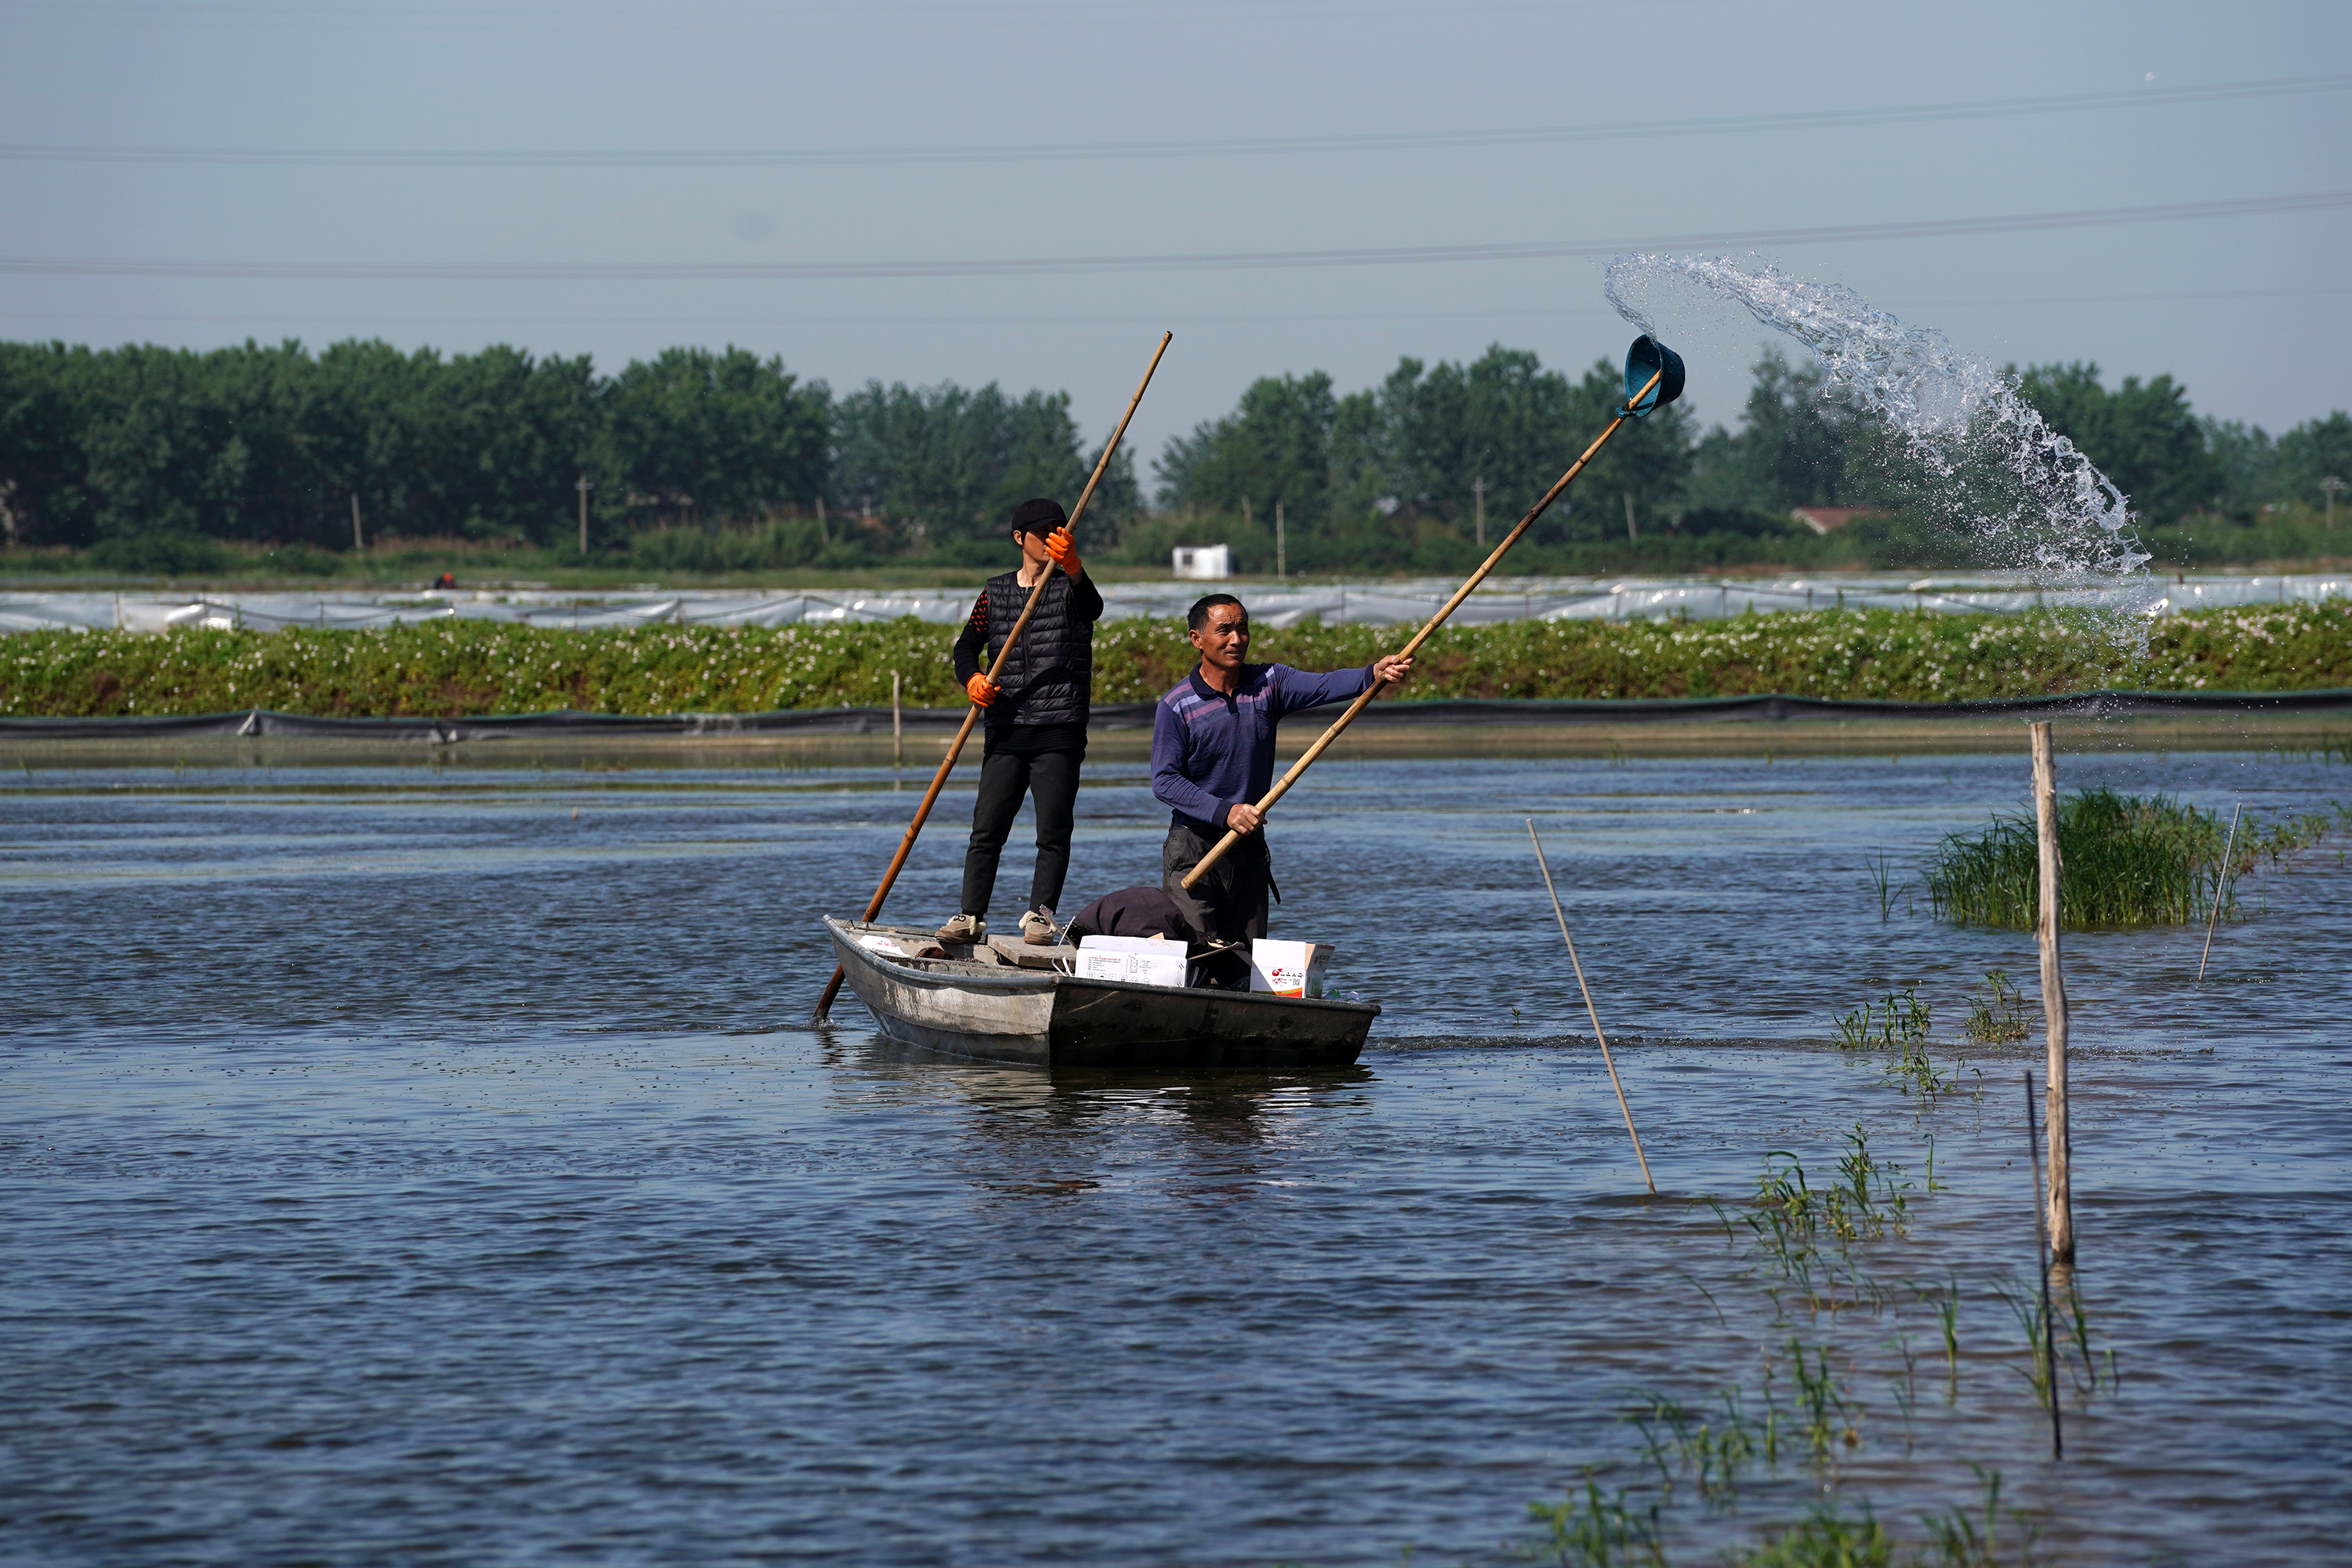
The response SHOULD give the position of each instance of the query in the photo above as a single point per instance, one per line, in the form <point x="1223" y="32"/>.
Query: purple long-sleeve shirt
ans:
<point x="1210" y="750"/>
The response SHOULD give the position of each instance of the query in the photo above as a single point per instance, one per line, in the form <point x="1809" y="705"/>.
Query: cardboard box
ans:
<point x="1289" y="968"/>
<point x="1138" y="960"/>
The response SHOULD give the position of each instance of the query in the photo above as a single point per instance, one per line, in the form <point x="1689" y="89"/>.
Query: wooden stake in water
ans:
<point x="1589" y="1011"/>
<point x="2053" y="995"/>
<point x="2220" y="881"/>
<point x="2042" y="1256"/>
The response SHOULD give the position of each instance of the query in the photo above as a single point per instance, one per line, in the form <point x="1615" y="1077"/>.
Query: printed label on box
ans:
<point x="1288" y="968"/>
<point x="1137" y="960"/>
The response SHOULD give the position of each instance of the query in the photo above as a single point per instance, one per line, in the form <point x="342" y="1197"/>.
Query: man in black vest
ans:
<point x="1035" y="737"/>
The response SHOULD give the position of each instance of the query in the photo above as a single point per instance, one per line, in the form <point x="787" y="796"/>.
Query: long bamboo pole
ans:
<point x="1589" y="1011"/>
<point x="1323" y="744"/>
<point x="955" y="748"/>
<point x="2053" y="998"/>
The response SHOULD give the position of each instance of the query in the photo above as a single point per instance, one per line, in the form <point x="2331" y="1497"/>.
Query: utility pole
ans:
<point x="584" y="487"/>
<point x="1281" y="548"/>
<point x="1478" y="498"/>
<point x="2328" y="487"/>
<point x="357" y="542"/>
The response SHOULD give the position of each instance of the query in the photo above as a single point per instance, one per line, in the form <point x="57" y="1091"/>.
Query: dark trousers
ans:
<point x="1228" y="903"/>
<point x="1051" y="779"/>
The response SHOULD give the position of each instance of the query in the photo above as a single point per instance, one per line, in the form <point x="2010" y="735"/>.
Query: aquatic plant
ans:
<point x="1896" y="1019"/>
<point x="2128" y="860"/>
<point x="1824" y="1538"/>
<point x="1882" y="879"/>
<point x="1999" y="1015"/>
<point x="1955" y="1542"/>
<point x="1588" y="1530"/>
<point x="1828" y="1422"/>
<point x="1714" y="1449"/>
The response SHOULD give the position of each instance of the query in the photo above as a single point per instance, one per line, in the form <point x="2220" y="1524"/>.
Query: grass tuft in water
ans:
<point x="1589" y="1530"/>
<point x="1824" y="1538"/>
<point x="2130" y="860"/>
<point x="1954" y="1541"/>
<point x="1999" y="1015"/>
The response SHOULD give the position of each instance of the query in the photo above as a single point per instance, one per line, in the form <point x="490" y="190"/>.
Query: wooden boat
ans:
<point x="1004" y="1002"/>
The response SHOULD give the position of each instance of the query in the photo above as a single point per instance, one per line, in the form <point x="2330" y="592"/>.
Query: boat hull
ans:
<point x="1039" y="1019"/>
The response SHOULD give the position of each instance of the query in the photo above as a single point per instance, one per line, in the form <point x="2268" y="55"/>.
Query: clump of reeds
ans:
<point x="2130" y="860"/>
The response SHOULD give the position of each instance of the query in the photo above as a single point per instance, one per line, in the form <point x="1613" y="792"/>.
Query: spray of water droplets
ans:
<point x="1966" y="452"/>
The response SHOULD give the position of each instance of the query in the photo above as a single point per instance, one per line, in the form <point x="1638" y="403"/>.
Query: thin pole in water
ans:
<point x="897" y="736"/>
<point x="2042" y="1256"/>
<point x="2053" y="993"/>
<point x="2220" y="881"/>
<point x="1592" y="1013"/>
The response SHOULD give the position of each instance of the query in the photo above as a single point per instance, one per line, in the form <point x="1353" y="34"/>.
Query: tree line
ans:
<point x="1394" y="476"/>
<point x="138" y="451"/>
<point x="710" y="459"/>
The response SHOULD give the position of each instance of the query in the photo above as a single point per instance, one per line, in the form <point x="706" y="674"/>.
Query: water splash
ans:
<point x="1975" y="459"/>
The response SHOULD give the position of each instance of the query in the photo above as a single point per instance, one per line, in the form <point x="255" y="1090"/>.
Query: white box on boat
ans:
<point x="1138" y="960"/>
<point x="1288" y="968"/>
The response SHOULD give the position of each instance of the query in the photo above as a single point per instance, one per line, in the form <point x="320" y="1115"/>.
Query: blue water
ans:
<point x="395" y="1165"/>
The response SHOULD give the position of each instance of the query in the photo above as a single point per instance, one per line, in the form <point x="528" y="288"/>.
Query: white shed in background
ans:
<point x="1204" y="560"/>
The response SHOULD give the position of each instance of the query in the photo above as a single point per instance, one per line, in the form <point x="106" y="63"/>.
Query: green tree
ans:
<point x="709" y="438"/>
<point x="944" y="466"/>
<point x="1274" y="447"/>
<point x="2312" y="451"/>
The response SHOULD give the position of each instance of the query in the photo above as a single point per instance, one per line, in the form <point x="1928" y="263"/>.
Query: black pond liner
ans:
<point x="1111" y="716"/>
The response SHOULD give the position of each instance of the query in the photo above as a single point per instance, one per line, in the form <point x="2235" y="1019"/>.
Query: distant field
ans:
<point x="449" y="668"/>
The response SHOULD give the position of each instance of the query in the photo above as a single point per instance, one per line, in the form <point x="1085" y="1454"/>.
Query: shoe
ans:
<point x="1037" y="928"/>
<point x="964" y="929"/>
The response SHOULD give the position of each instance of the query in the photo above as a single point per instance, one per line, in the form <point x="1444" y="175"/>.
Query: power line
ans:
<point x="739" y="321"/>
<point x="1223" y="147"/>
<point x="1173" y="261"/>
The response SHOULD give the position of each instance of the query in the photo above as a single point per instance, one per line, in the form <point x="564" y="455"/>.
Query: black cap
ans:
<point x="1040" y="515"/>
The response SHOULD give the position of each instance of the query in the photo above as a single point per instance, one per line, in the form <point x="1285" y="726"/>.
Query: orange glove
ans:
<point x="979" y="690"/>
<point x="1063" y="548"/>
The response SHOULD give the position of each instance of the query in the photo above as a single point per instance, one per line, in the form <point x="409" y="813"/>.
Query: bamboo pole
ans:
<point x="2220" y="881"/>
<point x="1323" y="744"/>
<point x="972" y="716"/>
<point x="1589" y="1011"/>
<point x="2053" y="997"/>
<point x="2041" y="1257"/>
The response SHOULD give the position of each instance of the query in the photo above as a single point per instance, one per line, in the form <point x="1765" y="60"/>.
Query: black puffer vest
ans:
<point x="1051" y="676"/>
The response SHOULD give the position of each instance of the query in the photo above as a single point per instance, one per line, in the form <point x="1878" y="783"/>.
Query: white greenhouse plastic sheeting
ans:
<point x="1381" y="603"/>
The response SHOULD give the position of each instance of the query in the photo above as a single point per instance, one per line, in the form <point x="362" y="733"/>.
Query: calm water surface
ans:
<point x="427" y="1164"/>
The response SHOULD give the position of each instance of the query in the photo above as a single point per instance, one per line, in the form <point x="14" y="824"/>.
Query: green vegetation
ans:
<point x="1782" y="1447"/>
<point x="2128" y="860"/>
<point x="253" y="460"/>
<point x="454" y="667"/>
<point x="1999" y="1015"/>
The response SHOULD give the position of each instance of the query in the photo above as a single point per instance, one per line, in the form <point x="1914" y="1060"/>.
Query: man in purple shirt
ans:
<point x="1213" y="757"/>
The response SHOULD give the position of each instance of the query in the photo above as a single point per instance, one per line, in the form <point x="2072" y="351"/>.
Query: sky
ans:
<point x="1031" y="190"/>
